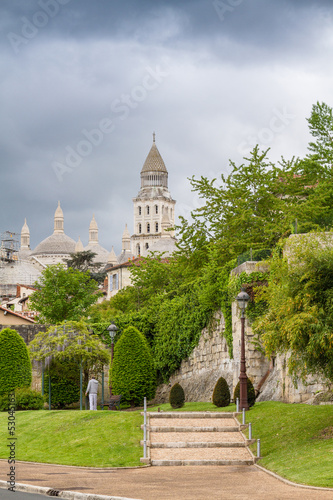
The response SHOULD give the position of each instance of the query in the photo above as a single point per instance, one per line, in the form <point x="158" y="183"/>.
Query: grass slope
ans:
<point x="292" y="438"/>
<point x="292" y="441"/>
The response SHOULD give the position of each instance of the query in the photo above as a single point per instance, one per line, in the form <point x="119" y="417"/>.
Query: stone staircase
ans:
<point x="196" y="438"/>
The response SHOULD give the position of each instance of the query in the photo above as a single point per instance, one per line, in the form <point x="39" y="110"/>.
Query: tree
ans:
<point x="63" y="294"/>
<point x="82" y="261"/>
<point x="61" y="350"/>
<point x="15" y="365"/>
<point x="132" y="372"/>
<point x="299" y="296"/>
<point x="250" y="208"/>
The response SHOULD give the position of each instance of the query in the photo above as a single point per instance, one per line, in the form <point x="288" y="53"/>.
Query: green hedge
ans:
<point x="133" y="374"/>
<point x="15" y="365"/>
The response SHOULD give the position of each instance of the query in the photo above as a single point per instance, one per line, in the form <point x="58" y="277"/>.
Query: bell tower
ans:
<point x="152" y="203"/>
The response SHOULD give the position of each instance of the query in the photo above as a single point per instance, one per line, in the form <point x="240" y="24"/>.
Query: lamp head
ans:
<point x="242" y="299"/>
<point x="112" y="329"/>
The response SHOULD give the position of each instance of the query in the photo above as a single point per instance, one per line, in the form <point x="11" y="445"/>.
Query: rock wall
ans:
<point x="210" y="360"/>
<point x="199" y="373"/>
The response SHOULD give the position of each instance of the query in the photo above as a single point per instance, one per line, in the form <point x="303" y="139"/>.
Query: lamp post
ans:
<point x="112" y="329"/>
<point x="242" y="299"/>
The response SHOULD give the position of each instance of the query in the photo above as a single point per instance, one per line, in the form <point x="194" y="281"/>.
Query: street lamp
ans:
<point x="242" y="299"/>
<point x="112" y="329"/>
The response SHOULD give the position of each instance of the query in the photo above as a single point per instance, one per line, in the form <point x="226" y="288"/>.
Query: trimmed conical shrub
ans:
<point x="221" y="393"/>
<point x="15" y="365"/>
<point x="132" y="372"/>
<point x="177" y="396"/>
<point x="251" y="395"/>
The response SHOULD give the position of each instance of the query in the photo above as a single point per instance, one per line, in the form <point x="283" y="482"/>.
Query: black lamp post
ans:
<point x="242" y="299"/>
<point x="112" y="329"/>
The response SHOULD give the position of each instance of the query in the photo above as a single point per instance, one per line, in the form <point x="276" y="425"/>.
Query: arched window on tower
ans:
<point x="147" y="209"/>
<point x="156" y="227"/>
<point x="139" y="210"/>
<point x="148" y="227"/>
<point x="147" y="246"/>
<point x="140" y="228"/>
<point x="156" y="209"/>
<point x="137" y="249"/>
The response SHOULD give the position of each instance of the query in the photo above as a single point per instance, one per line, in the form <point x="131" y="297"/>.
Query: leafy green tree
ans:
<point x="15" y="365"/>
<point x="82" y="261"/>
<point x="60" y="350"/>
<point x="63" y="294"/>
<point x="299" y="319"/>
<point x="132" y="372"/>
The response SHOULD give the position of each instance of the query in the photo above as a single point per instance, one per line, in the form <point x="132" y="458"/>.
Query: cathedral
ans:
<point x="154" y="218"/>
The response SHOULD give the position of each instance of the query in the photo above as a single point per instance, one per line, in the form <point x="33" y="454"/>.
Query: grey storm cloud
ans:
<point x="84" y="84"/>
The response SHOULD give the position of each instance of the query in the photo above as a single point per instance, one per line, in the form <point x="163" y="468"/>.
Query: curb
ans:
<point x="291" y="483"/>
<point x="76" y="466"/>
<point x="68" y="495"/>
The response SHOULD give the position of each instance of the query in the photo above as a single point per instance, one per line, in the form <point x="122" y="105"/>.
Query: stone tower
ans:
<point x="151" y="204"/>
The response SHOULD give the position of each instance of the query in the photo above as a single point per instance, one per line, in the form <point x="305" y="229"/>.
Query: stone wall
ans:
<point x="210" y="360"/>
<point x="27" y="332"/>
<point x="199" y="373"/>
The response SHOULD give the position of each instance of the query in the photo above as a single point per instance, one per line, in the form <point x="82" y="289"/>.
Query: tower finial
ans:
<point x="153" y="136"/>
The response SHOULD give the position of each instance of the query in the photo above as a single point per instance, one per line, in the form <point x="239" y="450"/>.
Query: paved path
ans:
<point x="165" y="483"/>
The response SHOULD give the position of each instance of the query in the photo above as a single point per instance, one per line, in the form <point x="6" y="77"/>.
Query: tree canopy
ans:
<point x="63" y="294"/>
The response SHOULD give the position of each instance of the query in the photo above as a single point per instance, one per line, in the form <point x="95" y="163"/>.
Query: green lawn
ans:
<point x="292" y="442"/>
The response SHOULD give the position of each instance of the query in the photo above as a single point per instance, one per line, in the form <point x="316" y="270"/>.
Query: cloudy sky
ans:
<point x="84" y="83"/>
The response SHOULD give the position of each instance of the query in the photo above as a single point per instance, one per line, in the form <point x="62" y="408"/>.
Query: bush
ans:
<point x="65" y="384"/>
<point x="133" y="373"/>
<point x="15" y="365"/>
<point x="26" y="399"/>
<point x="221" y="393"/>
<point x="251" y="395"/>
<point x="177" y="396"/>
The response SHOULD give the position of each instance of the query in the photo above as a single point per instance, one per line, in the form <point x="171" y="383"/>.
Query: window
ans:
<point x="148" y="228"/>
<point x="138" y="249"/>
<point x="147" y="208"/>
<point x="140" y="228"/>
<point x="156" y="209"/>
<point x="147" y="246"/>
<point x="139" y="210"/>
<point x="156" y="227"/>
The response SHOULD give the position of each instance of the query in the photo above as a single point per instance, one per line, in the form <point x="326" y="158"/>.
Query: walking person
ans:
<point x="92" y="390"/>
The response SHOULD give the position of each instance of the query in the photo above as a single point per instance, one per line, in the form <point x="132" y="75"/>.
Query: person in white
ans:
<point x="92" y="390"/>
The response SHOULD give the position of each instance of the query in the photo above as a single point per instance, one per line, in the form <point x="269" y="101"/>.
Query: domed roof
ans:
<point x="19" y="272"/>
<point x="154" y="161"/>
<point x="101" y="253"/>
<point x="57" y="243"/>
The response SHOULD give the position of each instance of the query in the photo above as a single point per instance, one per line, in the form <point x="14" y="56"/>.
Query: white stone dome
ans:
<point x="56" y="244"/>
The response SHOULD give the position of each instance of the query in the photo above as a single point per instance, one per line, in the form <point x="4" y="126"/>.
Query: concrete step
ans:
<point x="200" y="454"/>
<point x="191" y="429"/>
<point x="197" y="462"/>
<point x="196" y="438"/>
<point x="180" y="444"/>
<point x="191" y="414"/>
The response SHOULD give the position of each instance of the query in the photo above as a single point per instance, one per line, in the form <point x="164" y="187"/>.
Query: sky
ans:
<point x="84" y="84"/>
